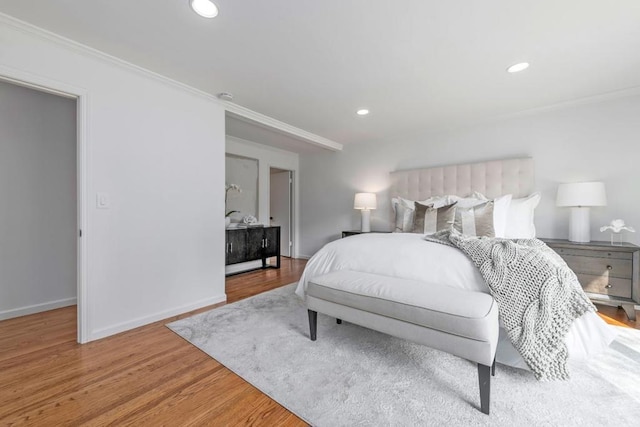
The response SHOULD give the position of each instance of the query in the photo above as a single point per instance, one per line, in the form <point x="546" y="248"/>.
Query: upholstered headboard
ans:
<point x="492" y="178"/>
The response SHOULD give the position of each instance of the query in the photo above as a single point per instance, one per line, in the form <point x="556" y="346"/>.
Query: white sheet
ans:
<point x="409" y="256"/>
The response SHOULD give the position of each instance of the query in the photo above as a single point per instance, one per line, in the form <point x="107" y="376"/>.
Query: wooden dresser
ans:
<point x="609" y="274"/>
<point x="253" y="243"/>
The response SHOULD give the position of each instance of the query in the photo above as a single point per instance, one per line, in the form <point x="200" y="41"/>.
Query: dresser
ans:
<point x="251" y="244"/>
<point x="609" y="274"/>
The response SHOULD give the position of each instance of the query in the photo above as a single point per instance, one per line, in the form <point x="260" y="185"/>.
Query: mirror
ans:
<point x="243" y="172"/>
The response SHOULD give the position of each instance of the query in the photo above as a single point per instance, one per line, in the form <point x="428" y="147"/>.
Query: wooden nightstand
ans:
<point x="609" y="274"/>
<point x="354" y="232"/>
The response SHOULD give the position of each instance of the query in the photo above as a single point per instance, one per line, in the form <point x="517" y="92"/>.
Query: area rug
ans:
<point x="353" y="376"/>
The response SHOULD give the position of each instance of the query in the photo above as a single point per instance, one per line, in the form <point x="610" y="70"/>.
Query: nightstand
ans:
<point x="354" y="232"/>
<point x="609" y="274"/>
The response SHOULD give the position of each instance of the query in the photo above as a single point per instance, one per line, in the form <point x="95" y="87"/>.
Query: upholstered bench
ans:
<point x="460" y="322"/>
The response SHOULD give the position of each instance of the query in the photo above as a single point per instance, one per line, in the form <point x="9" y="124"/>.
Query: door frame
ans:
<point x="43" y="84"/>
<point x="292" y="219"/>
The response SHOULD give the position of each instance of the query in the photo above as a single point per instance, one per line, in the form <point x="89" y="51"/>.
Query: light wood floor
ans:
<point x="148" y="376"/>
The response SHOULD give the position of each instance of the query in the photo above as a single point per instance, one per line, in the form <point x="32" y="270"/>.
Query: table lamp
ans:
<point x="365" y="202"/>
<point x="580" y="196"/>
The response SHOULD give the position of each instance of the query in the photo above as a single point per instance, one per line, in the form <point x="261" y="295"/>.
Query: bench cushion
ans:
<point x="451" y="310"/>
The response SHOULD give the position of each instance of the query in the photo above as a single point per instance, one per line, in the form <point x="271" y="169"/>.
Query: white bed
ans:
<point x="409" y="256"/>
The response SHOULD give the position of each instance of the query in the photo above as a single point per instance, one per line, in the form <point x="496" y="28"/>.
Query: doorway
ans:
<point x="41" y="182"/>
<point x="281" y="207"/>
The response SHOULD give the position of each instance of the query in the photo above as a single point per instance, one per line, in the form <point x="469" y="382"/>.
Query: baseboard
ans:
<point x="245" y="266"/>
<point x="141" y="321"/>
<point x="302" y="256"/>
<point x="36" y="308"/>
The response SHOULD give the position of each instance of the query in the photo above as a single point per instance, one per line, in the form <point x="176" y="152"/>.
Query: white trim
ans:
<point x="235" y="110"/>
<point x="300" y="256"/>
<point x="83" y="167"/>
<point x="36" y="308"/>
<point x="253" y="117"/>
<point x="45" y="84"/>
<point x="142" y="321"/>
<point x="243" y="266"/>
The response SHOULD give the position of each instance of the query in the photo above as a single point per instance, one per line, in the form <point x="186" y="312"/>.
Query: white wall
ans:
<point x="598" y="141"/>
<point x="269" y="157"/>
<point x="38" y="193"/>
<point x="157" y="149"/>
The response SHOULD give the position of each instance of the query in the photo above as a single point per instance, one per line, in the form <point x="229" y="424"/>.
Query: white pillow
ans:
<point x="500" y="209"/>
<point x="520" y="217"/>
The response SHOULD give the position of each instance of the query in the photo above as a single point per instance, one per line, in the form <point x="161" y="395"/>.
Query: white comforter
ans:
<point x="409" y="256"/>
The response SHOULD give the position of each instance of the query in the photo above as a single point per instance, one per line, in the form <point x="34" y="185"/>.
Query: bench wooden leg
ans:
<point x="493" y="368"/>
<point x="313" y="324"/>
<point x="484" y="379"/>
<point x="339" y="321"/>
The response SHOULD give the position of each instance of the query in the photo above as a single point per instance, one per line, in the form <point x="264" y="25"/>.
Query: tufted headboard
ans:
<point x="492" y="178"/>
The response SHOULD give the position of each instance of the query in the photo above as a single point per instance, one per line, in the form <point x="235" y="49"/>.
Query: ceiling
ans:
<point x="418" y="65"/>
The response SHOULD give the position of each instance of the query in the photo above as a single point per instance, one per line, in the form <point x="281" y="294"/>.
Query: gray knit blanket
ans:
<point x="538" y="296"/>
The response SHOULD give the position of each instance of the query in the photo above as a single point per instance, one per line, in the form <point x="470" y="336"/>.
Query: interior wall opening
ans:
<point x="39" y="193"/>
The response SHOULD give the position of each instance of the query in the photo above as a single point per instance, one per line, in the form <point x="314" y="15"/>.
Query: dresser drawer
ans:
<point x="613" y="254"/>
<point x="611" y="286"/>
<point x="605" y="267"/>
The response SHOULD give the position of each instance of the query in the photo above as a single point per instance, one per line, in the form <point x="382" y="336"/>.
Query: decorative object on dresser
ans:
<point x="227" y="188"/>
<point x="609" y="274"/>
<point x="617" y="226"/>
<point x="580" y="196"/>
<point x="365" y="202"/>
<point x="253" y="243"/>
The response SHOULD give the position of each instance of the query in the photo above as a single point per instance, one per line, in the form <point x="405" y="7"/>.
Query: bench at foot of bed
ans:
<point x="460" y="322"/>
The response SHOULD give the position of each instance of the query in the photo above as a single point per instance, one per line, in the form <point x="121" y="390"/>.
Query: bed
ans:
<point x="407" y="255"/>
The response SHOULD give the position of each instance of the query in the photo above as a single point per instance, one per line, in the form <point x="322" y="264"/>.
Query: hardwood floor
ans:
<point x="616" y="316"/>
<point x="148" y="376"/>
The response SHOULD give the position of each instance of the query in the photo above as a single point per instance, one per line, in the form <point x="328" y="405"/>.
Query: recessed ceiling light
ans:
<point x="362" y="112"/>
<point x="204" y="8"/>
<point x="515" y="68"/>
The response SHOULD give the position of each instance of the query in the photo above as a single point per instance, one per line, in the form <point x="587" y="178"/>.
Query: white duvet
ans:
<point x="409" y="256"/>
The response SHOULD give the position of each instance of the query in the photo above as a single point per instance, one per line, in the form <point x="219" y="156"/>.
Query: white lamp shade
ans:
<point x="365" y="201"/>
<point x="581" y="194"/>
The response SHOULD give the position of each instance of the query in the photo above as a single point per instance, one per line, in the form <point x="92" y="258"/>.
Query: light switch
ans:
<point x="102" y="201"/>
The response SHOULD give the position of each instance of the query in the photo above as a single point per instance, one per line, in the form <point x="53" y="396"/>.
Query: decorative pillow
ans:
<point x="500" y="209"/>
<point x="429" y="219"/>
<point x="520" y="217"/>
<point x="403" y="209"/>
<point x="476" y="220"/>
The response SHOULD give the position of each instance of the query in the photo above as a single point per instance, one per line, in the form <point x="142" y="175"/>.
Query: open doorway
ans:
<point x="281" y="207"/>
<point x="41" y="136"/>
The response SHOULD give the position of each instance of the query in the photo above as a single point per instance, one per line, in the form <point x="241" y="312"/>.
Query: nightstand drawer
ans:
<point x="612" y="267"/>
<point x="613" y="254"/>
<point x="611" y="286"/>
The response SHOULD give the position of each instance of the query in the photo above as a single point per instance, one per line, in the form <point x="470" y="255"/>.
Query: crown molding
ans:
<point x="587" y="100"/>
<point x="236" y="110"/>
<point x="259" y="119"/>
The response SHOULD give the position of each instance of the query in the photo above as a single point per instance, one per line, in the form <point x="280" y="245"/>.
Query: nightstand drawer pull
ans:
<point x="609" y="267"/>
<point x="609" y="286"/>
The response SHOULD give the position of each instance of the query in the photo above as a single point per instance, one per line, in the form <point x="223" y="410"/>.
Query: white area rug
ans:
<point x="352" y="376"/>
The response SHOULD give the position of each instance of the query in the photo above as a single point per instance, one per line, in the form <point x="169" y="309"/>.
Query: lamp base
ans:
<point x="366" y="221"/>
<point x="579" y="225"/>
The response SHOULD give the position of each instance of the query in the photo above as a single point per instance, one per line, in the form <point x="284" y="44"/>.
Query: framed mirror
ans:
<point x="243" y="172"/>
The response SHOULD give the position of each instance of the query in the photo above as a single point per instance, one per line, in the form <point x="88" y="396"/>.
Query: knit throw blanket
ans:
<point x="538" y="296"/>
